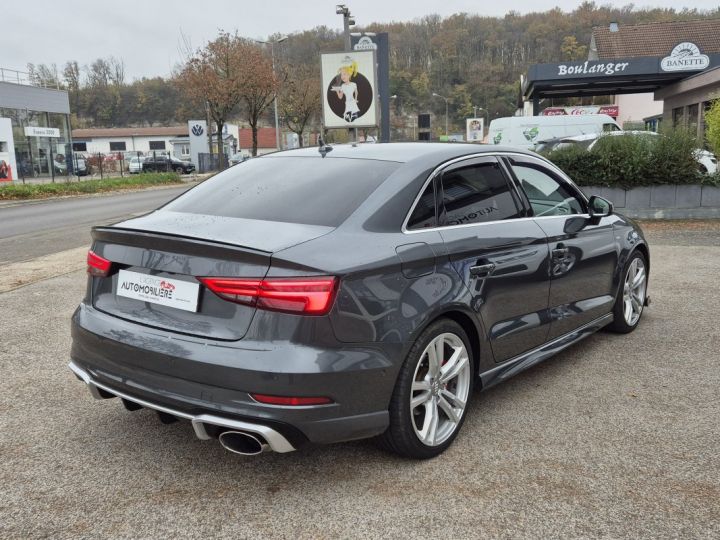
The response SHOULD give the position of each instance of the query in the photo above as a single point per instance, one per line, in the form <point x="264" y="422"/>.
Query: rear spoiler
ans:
<point x="178" y="244"/>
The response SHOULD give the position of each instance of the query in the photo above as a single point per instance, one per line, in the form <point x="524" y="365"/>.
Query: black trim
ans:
<point x="294" y="436"/>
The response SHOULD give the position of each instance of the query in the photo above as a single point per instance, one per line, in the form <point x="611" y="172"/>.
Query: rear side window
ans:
<point x="476" y="193"/>
<point x="306" y="190"/>
<point x="423" y="215"/>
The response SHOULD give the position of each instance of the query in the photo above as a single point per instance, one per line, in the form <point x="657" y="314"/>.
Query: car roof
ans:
<point x="399" y="152"/>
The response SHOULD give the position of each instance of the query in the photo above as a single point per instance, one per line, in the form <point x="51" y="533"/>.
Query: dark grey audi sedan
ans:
<point x="337" y="293"/>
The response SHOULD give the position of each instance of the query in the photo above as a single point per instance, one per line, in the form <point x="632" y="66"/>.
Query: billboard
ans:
<point x="474" y="129"/>
<point x="349" y="89"/>
<point x="197" y="131"/>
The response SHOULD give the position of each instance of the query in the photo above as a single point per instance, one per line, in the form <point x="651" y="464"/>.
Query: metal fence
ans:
<point x="208" y="163"/>
<point x="78" y="166"/>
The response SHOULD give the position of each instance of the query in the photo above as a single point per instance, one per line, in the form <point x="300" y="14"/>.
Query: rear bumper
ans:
<point x="210" y="383"/>
<point x="277" y="441"/>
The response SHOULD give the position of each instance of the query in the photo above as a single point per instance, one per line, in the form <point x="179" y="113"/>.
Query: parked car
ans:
<point x="527" y="131"/>
<point x="324" y="295"/>
<point x="135" y="165"/>
<point x="237" y="158"/>
<point x="707" y="161"/>
<point x="165" y="163"/>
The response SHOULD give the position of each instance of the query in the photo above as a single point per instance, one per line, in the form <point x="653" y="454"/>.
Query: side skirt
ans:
<point x="535" y="356"/>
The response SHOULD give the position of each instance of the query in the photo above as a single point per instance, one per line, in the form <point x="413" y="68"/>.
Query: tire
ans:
<point x="630" y="301"/>
<point x="432" y="395"/>
<point x="179" y="170"/>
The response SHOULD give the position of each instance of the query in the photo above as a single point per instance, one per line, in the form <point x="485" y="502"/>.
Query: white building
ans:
<point x="168" y="140"/>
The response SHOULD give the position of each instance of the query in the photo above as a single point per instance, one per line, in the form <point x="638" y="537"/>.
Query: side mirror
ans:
<point x="599" y="207"/>
<point x="576" y="224"/>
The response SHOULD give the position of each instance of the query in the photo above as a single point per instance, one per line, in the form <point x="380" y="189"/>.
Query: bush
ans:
<point x="712" y="121"/>
<point x="628" y="161"/>
<point x="43" y="191"/>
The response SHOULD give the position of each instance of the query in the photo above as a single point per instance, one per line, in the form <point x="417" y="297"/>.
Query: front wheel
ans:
<point x="428" y="405"/>
<point x="630" y="300"/>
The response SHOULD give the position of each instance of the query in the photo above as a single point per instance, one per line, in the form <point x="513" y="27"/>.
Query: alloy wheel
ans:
<point x="440" y="389"/>
<point x="634" y="291"/>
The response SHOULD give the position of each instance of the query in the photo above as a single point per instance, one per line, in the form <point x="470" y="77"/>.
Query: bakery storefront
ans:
<point x="651" y="72"/>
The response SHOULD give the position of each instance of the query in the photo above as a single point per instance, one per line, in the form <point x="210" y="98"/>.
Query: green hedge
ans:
<point x="628" y="161"/>
<point x="42" y="191"/>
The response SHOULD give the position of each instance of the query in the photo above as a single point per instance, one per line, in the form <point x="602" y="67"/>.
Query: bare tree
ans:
<point x="226" y="72"/>
<point x="300" y="101"/>
<point x="117" y="71"/>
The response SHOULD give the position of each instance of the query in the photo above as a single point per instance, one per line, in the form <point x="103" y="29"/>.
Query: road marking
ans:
<point x="16" y="275"/>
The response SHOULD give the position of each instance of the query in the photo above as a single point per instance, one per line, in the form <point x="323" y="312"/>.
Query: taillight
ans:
<point x="97" y="266"/>
<point x="290" y="401"/>
<point x="307" y="296"/>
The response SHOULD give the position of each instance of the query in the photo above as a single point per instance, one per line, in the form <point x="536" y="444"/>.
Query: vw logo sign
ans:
<point x="197" y="130"/>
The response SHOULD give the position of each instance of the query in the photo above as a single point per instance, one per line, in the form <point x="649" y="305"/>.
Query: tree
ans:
<point x="258" y="87"/>
<point x="712" y="122"/>
<point x="44" y="75"/>
<point x="226" y="72"/>
<point x="572" y="50"/>
<point x="300" y="101"/>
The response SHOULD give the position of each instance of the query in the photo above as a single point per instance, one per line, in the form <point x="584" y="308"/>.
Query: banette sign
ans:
<point x="685" y="57"/>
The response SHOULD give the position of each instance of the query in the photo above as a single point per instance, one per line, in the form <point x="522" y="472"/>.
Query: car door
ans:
<point x="583" y="254"/>
<point x="499" y="255"/>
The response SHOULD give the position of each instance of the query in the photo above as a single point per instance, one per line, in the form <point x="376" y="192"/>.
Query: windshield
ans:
<point x="307" y="190"/>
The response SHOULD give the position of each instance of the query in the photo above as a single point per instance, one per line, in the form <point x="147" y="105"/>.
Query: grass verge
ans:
<point x="44" y="191"/>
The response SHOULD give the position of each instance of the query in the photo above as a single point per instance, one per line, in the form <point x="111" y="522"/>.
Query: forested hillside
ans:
<point x="469" y="58"/>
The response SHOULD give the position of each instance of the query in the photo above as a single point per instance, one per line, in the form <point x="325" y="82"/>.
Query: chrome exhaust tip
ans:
<point x="242" y="443"/>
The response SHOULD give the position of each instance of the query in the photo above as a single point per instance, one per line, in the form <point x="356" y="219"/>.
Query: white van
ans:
<point x="527" y="131"/>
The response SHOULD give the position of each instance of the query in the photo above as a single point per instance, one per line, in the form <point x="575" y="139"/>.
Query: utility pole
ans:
<point x="348" y="21"/>
<point x="446" y="111"/>
<point x="275" y="98"/>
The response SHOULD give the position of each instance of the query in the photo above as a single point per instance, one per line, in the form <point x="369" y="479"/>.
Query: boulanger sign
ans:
<point x="592" y="67"/>
<point x="349" y="89"/>
<point x="685" y="57"/>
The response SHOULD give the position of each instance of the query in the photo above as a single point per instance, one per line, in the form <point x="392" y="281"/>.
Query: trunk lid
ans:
<point x="175" y="248"/>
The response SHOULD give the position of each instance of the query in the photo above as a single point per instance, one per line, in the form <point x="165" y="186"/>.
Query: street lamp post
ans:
<point x="275" y="98"/>
<point x="446" y="111"/>
<point x="348" y="21"/>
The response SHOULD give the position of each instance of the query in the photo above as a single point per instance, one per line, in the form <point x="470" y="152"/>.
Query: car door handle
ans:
<point x="560" y="253"/>
<point x="481" y="270"/>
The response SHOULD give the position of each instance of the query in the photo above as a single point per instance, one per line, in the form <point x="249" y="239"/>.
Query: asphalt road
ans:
<point x="33" y="229"/>
<point x="616" y="437"/>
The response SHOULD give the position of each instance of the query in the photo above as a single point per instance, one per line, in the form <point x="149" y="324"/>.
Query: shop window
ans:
<point x="79" y="147"/>
<point x="117" y="146"/>
<point x="678" y="116"/>
<point x="157" y="145"/>
<point x="184" y="150"/>
<point x="693" y="117"/>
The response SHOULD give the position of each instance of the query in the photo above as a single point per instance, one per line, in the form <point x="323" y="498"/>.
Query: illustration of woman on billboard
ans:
<point x="346" y="89"/>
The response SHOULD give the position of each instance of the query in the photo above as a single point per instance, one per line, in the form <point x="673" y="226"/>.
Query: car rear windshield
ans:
<point x="307" y="190"/>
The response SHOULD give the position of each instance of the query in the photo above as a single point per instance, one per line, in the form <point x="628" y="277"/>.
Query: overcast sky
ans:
<point x="146" y="34"/>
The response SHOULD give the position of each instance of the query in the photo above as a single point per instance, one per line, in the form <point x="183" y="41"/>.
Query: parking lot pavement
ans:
<point x="616" y="437"/>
